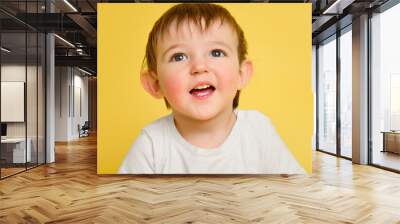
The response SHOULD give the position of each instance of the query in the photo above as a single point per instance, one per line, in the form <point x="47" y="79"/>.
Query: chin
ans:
<point x="208" y="114"/>
<point x="201" y="115"/>
<point x="202" y="112"/>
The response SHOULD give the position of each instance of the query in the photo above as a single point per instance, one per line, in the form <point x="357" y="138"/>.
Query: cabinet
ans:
<point x="13" y="150"/>
<point x="391" y="141"/>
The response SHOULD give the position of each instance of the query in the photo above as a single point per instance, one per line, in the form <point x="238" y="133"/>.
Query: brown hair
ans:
<point x="201" y="14"/>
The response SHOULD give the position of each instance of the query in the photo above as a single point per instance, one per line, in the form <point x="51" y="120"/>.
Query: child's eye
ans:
<point x="178" y="57"/>
<point x="217" y="53"/>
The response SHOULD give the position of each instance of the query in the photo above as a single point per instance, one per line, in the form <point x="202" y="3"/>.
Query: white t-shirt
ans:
<point x="252" y="147"/>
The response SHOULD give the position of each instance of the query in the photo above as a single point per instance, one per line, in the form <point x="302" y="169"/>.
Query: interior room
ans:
<point x="50" y="126"/>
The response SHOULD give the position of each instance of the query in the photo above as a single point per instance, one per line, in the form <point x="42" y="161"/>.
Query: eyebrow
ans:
<point x="168" y="49"/>
<point x="223" y="44"/>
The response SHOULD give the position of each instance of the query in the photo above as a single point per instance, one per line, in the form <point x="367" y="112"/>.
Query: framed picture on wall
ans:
<point x="12" y="101"/>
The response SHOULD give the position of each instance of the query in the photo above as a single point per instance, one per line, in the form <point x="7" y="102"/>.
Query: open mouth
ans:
<point x="202" y="90"/>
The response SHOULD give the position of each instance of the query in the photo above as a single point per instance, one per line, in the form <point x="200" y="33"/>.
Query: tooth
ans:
<point x="202" y="87"/>
<point x="201" y="94"/>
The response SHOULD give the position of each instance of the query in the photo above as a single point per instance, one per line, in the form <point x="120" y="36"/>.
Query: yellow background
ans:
<point x="279" y="44"/>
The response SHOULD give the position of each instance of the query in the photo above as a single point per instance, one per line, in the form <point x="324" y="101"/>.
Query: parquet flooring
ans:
<point x="9" y="171"/>
<point x="70" y="191"/>
<point x="387" y="159"/>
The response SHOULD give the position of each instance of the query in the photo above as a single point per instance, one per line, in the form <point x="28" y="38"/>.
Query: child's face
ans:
<point x="198" y="71"/>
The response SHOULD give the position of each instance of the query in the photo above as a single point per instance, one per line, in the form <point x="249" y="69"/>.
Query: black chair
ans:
<point x="84" y="130"/>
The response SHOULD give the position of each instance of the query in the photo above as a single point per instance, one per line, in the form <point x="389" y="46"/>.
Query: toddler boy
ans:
<point x="196" y="60"/>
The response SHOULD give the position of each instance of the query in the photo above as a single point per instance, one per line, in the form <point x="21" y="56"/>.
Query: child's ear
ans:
<point x="245" y="73"/>
<point x="150" y="83"/>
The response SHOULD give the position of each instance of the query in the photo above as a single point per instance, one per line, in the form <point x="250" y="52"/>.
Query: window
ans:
<point x="327" y="95"/>
<point x="346" y="93"/>
<point x="385" y="88"/>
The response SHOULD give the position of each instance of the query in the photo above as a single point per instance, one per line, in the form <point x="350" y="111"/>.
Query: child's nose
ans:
<point x="199" y="66"/>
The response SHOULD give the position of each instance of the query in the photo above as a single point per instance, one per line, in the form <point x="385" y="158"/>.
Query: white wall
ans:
<point x="16" y="73"/>
<point x="13" y="72"/>
<point x="62" y="81"/>
<point x="80" y="83"/>
<point x="71" y="87"/>
<point x="33" y="127"/>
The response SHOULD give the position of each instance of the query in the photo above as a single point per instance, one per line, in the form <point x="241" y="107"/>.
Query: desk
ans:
<point x="391" y="141"/>
<point x="16" y="147"/>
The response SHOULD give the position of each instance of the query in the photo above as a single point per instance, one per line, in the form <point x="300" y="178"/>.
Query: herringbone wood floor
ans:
<point x="70" y="191"/>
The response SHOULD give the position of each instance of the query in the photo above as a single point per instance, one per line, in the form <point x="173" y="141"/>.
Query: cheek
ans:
<point x="172" y="88"/>
<point x="228" y="78"/>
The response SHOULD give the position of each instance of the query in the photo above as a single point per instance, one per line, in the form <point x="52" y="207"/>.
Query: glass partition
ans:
<point x="41" y="85"/>
<point x="32" y="95"/>
<point x="327" y="95"/>
<point x="13" y="94"/>
<point x="346" y="93"/>
<point x="22" y="88"/>
<point x="385" y="89"/>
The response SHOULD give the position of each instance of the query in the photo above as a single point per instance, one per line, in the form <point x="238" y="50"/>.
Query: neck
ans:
<point x="209" y="133"/>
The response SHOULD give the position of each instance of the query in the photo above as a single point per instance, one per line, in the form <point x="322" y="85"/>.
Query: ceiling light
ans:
<point x="84" y="71"/>
<point x="5" y="50"/>
<point x="64" y="40"/>
<point x="337" y="7"/>
<point x="71" y="6"/>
